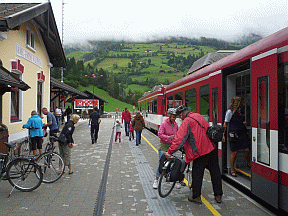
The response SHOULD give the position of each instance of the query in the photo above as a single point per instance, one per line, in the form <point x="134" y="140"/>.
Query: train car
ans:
<point x="259" y="74"/>
<point x="152" y="107"/>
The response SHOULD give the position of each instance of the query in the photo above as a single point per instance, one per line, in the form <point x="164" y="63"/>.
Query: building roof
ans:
<point x="56" y="84"/>
<point x="12" y="15"/>
<point x="209" y="59"/>
<point x="95" y="96"/>
<point x="8" y="79"/>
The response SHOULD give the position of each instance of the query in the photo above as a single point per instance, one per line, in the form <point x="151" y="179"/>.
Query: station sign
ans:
<point x="85" y="104"/>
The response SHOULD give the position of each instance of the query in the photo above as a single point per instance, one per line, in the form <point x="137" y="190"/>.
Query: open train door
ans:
<point x="265" y="127"/>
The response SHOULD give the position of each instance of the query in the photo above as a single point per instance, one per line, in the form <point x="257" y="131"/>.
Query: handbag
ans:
<point x="233" y="136"/>
<point x="62" y="139"/>
<point x="215" y="132"/>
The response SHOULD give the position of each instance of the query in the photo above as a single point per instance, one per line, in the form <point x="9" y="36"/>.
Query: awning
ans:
<point x="61" y="86"/>
<point x="8" y="80"/>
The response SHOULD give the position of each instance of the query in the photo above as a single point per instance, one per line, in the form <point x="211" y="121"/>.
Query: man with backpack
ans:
<point x="199" y="149"/>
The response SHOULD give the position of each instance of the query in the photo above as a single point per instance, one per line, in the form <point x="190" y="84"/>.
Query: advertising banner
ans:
<point x="85" y="104"/>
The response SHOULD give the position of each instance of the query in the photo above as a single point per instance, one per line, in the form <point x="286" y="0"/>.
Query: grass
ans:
<point x="112" y="102"/>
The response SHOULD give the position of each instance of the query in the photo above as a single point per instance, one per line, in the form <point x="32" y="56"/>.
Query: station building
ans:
<point x="29" y="46"/>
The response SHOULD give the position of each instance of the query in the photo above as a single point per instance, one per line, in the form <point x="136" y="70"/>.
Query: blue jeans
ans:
<point x="138" y="137"/>
<point x="160" y="155"/>
<point x="127" y="128"/>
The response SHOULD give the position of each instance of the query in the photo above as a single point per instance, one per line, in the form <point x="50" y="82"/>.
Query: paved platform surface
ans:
<point x="131" y="173"/>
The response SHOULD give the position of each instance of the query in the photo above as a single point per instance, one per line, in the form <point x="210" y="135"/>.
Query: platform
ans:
<point x="116" y="179"/>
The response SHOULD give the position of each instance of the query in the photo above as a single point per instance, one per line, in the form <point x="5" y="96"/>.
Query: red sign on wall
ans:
<point x="85" y="104"/>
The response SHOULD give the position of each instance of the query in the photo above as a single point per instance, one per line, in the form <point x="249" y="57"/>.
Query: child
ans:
<point x="131" y="131"/>
<point x="118" y="130"/>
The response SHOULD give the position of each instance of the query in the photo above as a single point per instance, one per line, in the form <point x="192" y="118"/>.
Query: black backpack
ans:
<point x="176" y="168"/>
<point x="215" y="132"/>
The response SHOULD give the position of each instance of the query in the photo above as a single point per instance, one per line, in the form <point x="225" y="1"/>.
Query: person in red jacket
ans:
<point x="199" y="149"/>
<point x="126" y="116"/>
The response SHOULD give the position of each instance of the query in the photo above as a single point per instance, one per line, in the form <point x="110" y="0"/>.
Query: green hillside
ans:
<point x="129" y="69"/>
<point x="112" y="102"/>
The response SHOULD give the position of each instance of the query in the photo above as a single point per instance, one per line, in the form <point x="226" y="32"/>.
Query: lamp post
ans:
<point x="93" y="77"/>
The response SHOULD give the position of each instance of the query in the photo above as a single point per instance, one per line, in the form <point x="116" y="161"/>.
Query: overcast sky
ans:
<point x="139" y="20"/>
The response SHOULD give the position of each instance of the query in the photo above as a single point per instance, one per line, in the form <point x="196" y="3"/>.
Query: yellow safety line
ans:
<point x="238" y="170"/>
<point x="208" y="205"/>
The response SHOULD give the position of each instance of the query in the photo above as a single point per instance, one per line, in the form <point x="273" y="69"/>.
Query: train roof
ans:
<point x="209" y="59"/>
<point x="276" y="40"/>
<point x="154" y="91"/>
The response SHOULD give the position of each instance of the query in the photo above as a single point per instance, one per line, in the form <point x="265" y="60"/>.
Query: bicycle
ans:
<point x="49" y="161"/>
<point x="165" y="185"/>
<point x="22" y="173"/>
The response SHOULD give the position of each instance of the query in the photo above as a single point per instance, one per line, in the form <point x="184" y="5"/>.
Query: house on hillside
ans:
<point x="29" y="46"/>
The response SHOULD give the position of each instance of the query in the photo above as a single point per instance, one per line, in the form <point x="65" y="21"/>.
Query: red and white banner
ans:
<point x="85" y="104"/>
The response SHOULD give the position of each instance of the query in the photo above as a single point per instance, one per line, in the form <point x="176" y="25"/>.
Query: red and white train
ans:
<point x="259" y="74"/>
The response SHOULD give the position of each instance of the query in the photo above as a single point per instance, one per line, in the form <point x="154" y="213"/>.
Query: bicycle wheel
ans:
<point x="50" y="163"/>
<point x="165" y="187"/>
<point x="48" y="147"/>
<point x="24" y="174"/>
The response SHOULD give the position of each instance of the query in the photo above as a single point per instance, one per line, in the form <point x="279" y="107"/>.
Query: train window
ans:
<point x="178" y="99"/>
<point x="263" y="120"/>
<point x="190" y="100"/>
<point x="204" y="101"/>
<point x="155" y="106"/>
<point x="243" y="90"/>
<point x="169" y="101"/>
<point x="283" y="109"/>
<point x="215" y="105"/>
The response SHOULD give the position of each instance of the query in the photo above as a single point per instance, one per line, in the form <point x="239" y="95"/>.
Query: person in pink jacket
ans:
<point x="166" y="133"/>
<point x="126" y="116"/>
<point x="199" y="149"/>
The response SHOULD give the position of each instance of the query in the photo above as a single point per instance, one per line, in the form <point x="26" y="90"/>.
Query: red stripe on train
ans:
<point x="270" y="174"/>
<point x="265" y="172"/>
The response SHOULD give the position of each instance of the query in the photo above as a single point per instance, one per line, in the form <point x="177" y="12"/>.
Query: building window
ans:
<point x="15" y="103"/>
<point x="30" y="39"/>
<point x="39" y="96"/>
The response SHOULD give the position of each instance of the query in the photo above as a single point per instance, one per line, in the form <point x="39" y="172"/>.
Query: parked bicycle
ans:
<point x="50" y="162"/>
<point x="166" y="186"/>
<point x="22" y="173"/>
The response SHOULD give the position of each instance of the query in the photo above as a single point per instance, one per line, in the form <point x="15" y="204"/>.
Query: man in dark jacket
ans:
<point x="94" y="121"/>
<point x="199" y="149"/>
<point x="126" y="116"/>
<point x="68" y="113"/>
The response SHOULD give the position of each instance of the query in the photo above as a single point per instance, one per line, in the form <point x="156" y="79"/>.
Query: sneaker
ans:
<point x="129" y="138"/>
<point x="119" y="140"/>
<point x="195" y="200"/>
<point x="218" y="199"/>
<point x="177" y="185"/>
<point x="92" y="142"/>
<point x="155" y="184"/>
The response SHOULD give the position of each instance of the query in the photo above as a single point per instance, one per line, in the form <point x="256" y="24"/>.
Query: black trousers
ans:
<point x="209" y="161"/>
<point x="94" y="131"/>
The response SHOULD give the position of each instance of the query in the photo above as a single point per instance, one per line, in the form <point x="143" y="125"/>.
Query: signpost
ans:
<point x="86" y="104"/>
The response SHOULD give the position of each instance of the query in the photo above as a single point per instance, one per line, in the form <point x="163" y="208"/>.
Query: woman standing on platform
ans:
<point x="237" y="132"/>
<point x="36" y="133"/>
<point x="166" y="133"/>
<point x="138" y="125"/>
<point x="65" y="148"/>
